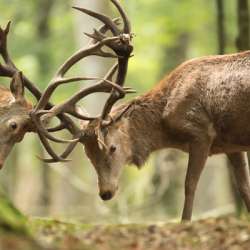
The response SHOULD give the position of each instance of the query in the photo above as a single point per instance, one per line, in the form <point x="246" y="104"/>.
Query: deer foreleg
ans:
<point x="198" y="153"/>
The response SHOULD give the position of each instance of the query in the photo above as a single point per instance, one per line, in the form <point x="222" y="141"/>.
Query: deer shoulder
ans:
<point x="204" y="95"/>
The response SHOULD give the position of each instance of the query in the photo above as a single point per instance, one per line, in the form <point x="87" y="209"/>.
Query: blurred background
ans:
<point x="44" y="33"/>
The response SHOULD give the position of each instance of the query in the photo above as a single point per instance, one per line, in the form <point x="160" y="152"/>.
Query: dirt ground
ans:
<point x="226" y="233"/>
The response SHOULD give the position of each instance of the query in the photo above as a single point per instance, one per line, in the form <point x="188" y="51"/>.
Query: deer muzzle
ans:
<point x="107" y="192"/>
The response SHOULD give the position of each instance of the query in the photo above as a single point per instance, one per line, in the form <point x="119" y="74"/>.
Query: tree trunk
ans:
<point x="44" y="8"/>
<point x="242" y="41"/>
<point x="221" y="27"/>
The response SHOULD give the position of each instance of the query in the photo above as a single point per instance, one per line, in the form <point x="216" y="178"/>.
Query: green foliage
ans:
<point x="38" y="58"/>
<point x="11" y="220"/>
<point x="159" y="27"/>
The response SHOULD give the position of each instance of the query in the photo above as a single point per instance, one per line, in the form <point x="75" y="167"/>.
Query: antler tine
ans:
<point x="127" y="25"/>
<point x="97" y="35"/>
<point x="42" y="130"/>
<point x="108" y="77"/>
<point x="103" y="29"/>
<point x="105" y="19"/>
<point x="69" y="106"/>
<point x="49" y="149"/>
<point x="84" y="53"/>
<point x="111" y="72"/>
<point x="3" y="44"/>
<point x="113" y="98"/>
<point x="64" y="155"/>
<point x="60" y="127"/>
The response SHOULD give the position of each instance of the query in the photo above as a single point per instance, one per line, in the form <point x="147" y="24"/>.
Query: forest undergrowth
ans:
<point x="223" y="233"/>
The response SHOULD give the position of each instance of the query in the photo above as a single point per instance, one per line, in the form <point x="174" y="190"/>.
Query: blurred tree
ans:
<point x="242" y="41"/>
<point x="43" y="32"/>
<point x="221" y="26"/>
<point x="44" y="57"/>
<point x="221" y="50"/>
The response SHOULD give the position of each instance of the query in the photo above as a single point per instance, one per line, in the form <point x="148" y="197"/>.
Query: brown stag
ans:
<point x="201" y="108"/>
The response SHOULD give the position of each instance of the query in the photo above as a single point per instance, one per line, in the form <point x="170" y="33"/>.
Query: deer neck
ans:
<point x="145" y="126"/>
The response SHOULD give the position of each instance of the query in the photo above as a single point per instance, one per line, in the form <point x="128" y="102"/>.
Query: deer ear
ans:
<point x="119" y="114"/>
<point x="17" y="86"/>
<point x="100" y="139"/>
<point x="83" y="123"/>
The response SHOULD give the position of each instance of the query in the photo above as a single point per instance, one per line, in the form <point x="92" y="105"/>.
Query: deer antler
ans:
<point x="120" y="44"/>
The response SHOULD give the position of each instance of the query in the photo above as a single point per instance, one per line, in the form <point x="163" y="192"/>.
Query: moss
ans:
<point x="11" y="219"/>
<point x="14" y="228"/>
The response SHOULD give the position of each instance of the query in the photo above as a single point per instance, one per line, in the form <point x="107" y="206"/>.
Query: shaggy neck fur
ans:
<point x="146" y="127"/>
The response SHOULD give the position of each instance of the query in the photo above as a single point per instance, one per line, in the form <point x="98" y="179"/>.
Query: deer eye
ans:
<point x="104" y="131"/>
<point x="112" y="149"/>
<point x="13" y="125"/>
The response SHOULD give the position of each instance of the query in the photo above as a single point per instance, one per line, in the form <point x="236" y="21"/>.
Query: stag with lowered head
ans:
<point x="200" y="108"/>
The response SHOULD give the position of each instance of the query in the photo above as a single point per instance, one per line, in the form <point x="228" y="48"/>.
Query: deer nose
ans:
<point x="106" y="196"/>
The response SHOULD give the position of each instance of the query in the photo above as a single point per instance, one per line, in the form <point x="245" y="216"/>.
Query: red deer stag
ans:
<point x="200" y="108"/>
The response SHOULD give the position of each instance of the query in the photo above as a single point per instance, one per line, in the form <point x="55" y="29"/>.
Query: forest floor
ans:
<point x="225" y="233"/>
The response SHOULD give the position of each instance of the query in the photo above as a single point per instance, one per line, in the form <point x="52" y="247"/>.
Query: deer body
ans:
<point x="207" y="97"/>
<point x="202" y="108"/>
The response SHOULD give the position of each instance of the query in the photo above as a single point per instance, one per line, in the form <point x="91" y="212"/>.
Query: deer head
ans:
<point x="109" y="149"/>
<point x="14" y="116"/>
